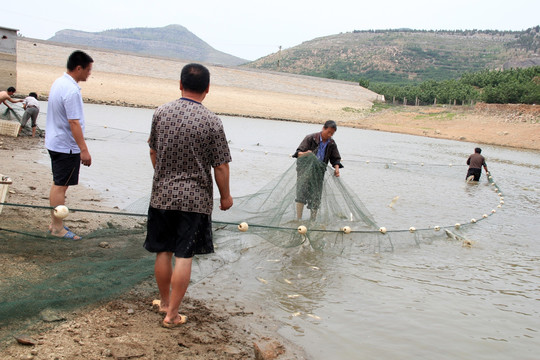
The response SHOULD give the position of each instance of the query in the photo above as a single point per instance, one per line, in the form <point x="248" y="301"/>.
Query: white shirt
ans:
<point x="65" y="103"/>
<point x="31" y="101"/>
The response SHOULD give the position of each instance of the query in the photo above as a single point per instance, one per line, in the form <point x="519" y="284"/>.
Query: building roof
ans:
<point x="5" y="28"/>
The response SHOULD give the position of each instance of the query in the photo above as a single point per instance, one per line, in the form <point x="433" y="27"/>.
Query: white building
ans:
<point x="8" y="58"/>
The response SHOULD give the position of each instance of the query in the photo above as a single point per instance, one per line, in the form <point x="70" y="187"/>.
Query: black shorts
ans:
<point x="474" y="172"/>
<point x="65" y="168"/>
<point x="183" y="233"/>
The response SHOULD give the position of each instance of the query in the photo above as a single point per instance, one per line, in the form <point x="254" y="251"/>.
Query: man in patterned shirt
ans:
<point x="186" y="141"/>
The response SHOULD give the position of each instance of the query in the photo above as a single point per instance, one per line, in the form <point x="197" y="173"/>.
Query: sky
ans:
<point x="251" y="29"/>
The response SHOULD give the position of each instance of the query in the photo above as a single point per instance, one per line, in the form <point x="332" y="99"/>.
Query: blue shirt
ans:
<point x="322" y="149"/>
<point x="65" y="103"/>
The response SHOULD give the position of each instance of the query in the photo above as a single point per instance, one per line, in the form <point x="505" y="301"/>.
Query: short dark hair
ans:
<point x="195" y="77"/>
<point x="33" y="94"/>
<point x="11" y="89"/>
<point x="78" y="58"/>
<point x="477" y="150"/>
<point x="330" y="124"/>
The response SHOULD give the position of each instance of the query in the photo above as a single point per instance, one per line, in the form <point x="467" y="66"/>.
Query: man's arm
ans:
<point x="221" y="175"/>
<point x="304" y="147"/>
<point x="303" y="153"/>
<point x="335" y="159"/>
<point x="153" y="154"/>
<point x="10" y="99"/>
<point x="336" y="170"/>
<point x="77" y="132"/>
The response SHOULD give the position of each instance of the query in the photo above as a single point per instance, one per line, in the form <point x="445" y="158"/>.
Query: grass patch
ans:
<point x="436" y="116"/>
<point x="352" y="110"/>
<point x="376" y="107"/>
<point x="379" y="106"/>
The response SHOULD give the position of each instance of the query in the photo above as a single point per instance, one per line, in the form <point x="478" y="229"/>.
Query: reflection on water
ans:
<point x="431" y="299"/>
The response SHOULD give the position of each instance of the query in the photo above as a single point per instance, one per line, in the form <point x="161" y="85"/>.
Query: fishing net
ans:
<point x="44" y="277"/>
<point x="15" y="114"/>
<point x="334" y="219"/>
<point x="11" y="114"/>
<point x="307" y="205"/>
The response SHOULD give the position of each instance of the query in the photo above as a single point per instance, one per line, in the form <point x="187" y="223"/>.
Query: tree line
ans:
<point x="446" y="32"/>
<point x="514" y="86"/>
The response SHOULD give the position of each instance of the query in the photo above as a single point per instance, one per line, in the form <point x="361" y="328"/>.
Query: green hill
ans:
<point x="173" y="41"/>
<point x="405" y="56"/>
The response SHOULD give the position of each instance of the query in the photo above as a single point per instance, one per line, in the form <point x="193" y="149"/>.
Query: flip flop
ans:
<point x="70" y="235"/>
<point x="172" y="325"/>
<point x="65" y="227"/>
<point x="156" y="305"/>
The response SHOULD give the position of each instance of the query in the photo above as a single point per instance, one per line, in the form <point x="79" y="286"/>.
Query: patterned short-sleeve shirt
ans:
<point x="189" y="140"/>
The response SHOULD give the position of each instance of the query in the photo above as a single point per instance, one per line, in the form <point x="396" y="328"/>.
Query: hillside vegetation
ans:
<point x="404" y="56"/>
<point x="173" y="41"/>
<point x="513" y="86"/>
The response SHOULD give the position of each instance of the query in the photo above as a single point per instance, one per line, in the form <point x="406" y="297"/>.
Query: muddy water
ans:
<point x="431" y="300"/>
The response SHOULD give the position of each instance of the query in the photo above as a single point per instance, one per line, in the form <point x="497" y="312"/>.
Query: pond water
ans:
<point x="435" y="300"/>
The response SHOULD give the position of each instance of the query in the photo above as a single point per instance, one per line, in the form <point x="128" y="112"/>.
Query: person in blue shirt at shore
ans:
<point x="313" y="154"/>
<point x="64" y="136"/>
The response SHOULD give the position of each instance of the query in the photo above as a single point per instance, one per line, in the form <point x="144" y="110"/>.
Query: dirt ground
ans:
<point x="511" y="125"/>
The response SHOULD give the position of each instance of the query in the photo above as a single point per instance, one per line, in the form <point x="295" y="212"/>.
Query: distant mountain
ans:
<point x="173" y="41"/>
<point x="405" y="56"/>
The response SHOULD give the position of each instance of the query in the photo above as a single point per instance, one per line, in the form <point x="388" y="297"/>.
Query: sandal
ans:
<point x="172" y="325"/>
<point x="70" y="235"/>
<point x="156" y="305"/>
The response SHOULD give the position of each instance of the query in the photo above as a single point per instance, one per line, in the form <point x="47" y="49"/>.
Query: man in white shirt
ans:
<point x="64" y="136"/>
<point x="31" y="111"/>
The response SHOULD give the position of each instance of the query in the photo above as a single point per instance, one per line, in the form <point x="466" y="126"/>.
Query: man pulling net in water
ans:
<point x="476" y="162"/>
<point x="314" y="153"/>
